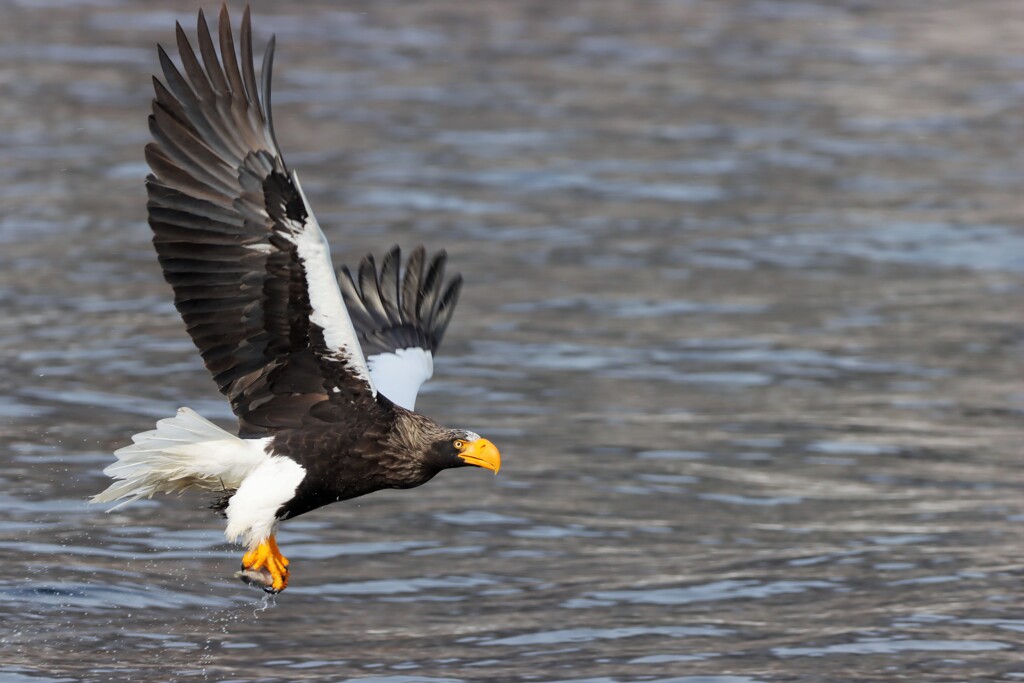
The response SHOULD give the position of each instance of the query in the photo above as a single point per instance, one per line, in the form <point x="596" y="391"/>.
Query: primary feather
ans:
<point x="249" y="265"/>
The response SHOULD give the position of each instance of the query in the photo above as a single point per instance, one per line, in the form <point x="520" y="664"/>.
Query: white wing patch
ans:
<point x="328" y="307"/>
<point x="399" y="375"/>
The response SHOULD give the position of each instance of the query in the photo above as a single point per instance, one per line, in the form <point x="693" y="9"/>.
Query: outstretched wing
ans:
<point x="249" y="265"/>
<point x="401" y="318"/>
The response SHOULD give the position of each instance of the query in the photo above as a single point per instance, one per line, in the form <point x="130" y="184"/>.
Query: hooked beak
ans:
<point x="481" y="453"/>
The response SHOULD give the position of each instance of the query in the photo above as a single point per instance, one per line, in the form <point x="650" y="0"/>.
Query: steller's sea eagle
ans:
<point x="253" y="280"/>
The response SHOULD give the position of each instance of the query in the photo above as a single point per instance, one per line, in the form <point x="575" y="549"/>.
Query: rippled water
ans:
<point x="742" y="312"/>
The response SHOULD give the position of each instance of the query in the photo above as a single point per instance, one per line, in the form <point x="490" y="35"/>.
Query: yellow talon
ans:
<point x="268" y="556"/>
<point x="277" y="551"/>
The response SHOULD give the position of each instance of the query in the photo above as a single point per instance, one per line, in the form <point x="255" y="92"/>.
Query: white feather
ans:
<point x="328" y="306"/>
<point x="189" y="452"/>
<point x="400" y="374"/>
<point x="252" y="511"/>
<point x="183" y="452"/>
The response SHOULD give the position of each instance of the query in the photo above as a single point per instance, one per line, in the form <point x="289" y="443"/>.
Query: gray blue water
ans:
<point x="743" y="312"/>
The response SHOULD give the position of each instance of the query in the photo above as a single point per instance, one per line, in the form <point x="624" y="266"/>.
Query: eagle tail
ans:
<point x="184" y="452"/>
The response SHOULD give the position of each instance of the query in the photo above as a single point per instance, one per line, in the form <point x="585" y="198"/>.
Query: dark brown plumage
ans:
<point x="395" y="449"/>
<point x="253" y="281"/>
<point x="392" y="312"/>
<point x="219" y="182"/>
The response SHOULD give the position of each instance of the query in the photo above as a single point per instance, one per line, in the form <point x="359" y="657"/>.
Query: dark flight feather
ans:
<point x="392" y="310"/>
<point x="224" y="209"/>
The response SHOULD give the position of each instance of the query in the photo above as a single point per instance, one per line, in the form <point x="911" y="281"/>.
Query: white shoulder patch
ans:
<point x="328" y="307"/>
<point x="399" y="375"/>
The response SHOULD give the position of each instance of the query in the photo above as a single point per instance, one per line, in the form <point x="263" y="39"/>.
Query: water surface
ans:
<point x="742" y="312"/>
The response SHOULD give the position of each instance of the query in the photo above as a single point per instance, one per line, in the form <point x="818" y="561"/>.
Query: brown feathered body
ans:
<point x="254" y="283"/>
<point x="384" y="448"/>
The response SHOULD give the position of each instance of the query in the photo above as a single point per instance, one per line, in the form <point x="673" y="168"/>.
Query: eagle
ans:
<point x="322" y="368"/>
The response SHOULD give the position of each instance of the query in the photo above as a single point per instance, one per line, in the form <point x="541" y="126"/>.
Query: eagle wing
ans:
<point x="238" y="243"/>
<point x="401" y="315"/>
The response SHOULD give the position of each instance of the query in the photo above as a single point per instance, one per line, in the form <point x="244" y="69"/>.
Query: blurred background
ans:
<point x="742" y="312"/>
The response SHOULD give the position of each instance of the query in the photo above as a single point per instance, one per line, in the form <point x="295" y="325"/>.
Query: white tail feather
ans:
<point x="184" y="452"/>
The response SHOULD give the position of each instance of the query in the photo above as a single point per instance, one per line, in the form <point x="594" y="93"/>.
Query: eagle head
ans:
<point x="461" y="448"/>
<point x="435" y="448"/>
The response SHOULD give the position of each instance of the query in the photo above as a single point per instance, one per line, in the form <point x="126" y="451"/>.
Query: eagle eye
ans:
<point x="459" y="443"/>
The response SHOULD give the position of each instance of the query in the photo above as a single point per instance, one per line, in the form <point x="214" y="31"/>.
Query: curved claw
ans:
<point x="266" y="557"/>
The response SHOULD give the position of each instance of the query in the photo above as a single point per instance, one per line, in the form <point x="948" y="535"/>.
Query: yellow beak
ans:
<point x="482" y="453"/>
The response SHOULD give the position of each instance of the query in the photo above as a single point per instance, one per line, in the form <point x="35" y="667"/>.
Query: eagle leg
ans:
<point x="267" y="556"/>
<point x="277" y="553"/>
